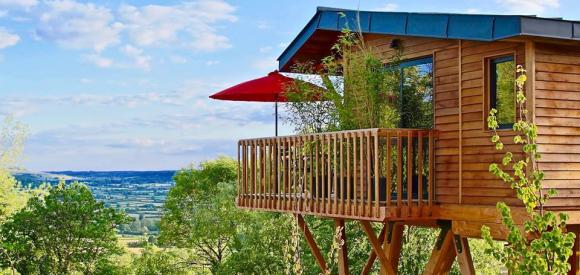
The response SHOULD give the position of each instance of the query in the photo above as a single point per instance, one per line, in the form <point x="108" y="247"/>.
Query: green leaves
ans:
<point x="65" y="231"/>
<point x="541" y="247"/>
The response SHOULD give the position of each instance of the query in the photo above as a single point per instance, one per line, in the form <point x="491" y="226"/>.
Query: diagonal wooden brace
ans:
<point x="311" y="243"/>
<point x="376" y="245"/>
<point x="443" y="254"/>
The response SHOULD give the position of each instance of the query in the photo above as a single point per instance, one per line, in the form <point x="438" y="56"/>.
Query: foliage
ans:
<point x="200" y="215"/>
<point x="63" y="232"/>
<point x="364" y="96"/>
<point x="417" y="246"/>
<point x="550" y="246"/>
<point x="154" y="261"/>
<point x="12" y="196"/>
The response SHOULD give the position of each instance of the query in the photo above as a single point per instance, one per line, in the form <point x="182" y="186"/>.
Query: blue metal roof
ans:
<point x="435" y="25"/>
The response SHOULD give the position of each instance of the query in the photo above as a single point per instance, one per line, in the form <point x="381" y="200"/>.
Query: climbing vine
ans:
<point x="542" y="245"/>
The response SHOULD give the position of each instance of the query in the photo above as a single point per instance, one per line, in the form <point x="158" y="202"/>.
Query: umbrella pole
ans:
<point x="276" y="115"/>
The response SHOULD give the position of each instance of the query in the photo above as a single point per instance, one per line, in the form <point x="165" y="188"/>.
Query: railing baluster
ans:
<point x="254" y="174"/>
<point x="317" y="173"/>
<point x="310" y="171"/>
<point x="362" y="174"/>
<point x="286" y="156"/>
<point x="278" y="170"/>
<point x="377" y="172"/>
<point x="399" y="171"/>
<point x="420" y="170"/>
<point x="323" y="174"/>
<point x="409" y="172"/>
<point x="329" y="175"/>
<point x="335" y="175"/>
<point x="388" y="171"/>
<point x="262" y="166"/>
<point x="342" y="179"/>
<point x="295" y="174"/>
<point x="368" y="170"/>
<point x="348" y="181"/>
<point x="272" y="171"/>
<point x="355" y="172"/>
<point x="431" y="172"/>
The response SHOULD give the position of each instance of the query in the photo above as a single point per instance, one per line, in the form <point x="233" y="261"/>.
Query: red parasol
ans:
<point x="270" y="88"/>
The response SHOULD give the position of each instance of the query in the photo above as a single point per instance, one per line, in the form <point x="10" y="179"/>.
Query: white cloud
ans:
<point x="529" y="7"/>
<point x="176" y="59"/>
<point x="283" y="44"/>
<point x="7" y="39"/>
<point x="388" y="7"/>
<point x="153" y="25"/>
<point x="139" y="59"/>
<point x="265" y="64"/>
<point x="265" y="49"/>
<point x="212" y="62"/>
<point x="78" y="25"/>
<point x="26" y="4"/>
<point x="99" y="61"/>
<point x="262" y="25"/>
<point x="472" y="11"/>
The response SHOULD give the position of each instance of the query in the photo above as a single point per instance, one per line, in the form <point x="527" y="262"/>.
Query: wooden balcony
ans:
<point x="370" y="174"/>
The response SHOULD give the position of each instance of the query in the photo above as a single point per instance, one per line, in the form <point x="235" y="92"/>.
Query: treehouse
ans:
<point x="436" y="173"/>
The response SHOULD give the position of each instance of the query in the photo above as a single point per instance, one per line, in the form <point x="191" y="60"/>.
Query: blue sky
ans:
<point x="123" y="85"/>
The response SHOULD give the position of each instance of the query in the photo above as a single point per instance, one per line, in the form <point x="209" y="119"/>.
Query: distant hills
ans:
<point x="140" y="194"/>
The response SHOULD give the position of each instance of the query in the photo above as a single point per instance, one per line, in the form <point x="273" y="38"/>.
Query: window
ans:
<point x="502" y="95"/>
<point x="416" y="93"/>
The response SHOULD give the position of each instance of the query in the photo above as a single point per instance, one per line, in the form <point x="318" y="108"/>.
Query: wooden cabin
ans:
<point x="436" y="176"/>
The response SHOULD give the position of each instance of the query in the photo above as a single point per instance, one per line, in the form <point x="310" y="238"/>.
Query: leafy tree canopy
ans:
<point x="63" y="232"/>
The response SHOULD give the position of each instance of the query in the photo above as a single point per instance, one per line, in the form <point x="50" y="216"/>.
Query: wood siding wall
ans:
<point x="558" y="117"/>
<point x="476" y="186"/>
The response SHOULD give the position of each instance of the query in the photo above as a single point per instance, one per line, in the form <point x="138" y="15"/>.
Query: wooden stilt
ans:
<point x="392" y="245"/>
<point x="311" y="243"/>
<point x="373" y="256"/>
<point x="376" y="245"/>
<point x="443" y="254"/>
<point x="464" y="255"/>
<point x="342" y="249"/>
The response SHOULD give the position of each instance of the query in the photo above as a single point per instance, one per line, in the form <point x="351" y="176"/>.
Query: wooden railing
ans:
<point x="367" y="174"/>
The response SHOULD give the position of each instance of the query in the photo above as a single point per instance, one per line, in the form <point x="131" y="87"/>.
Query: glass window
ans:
<point x="502" y="95"/>
<point x="417" y="93"/>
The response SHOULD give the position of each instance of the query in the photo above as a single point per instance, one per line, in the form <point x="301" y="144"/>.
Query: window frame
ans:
<point x="429" y="59"/>
<point x="490" y="99"/>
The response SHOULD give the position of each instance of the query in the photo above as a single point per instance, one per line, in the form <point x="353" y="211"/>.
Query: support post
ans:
<point x="311" y="243"/>
<point x="443" y="254"/>
<point x="392" y="245"/>
<point x="464" y="255"/>
<point x="376" y="245"/>
<point x="342" y="249"/>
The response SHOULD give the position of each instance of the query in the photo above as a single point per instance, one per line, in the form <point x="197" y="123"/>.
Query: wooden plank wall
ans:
<point x="558" y="118"/>
<point x="479" y="187"/>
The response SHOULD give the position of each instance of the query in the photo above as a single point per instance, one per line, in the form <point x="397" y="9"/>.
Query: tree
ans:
<point x="550" y="246"/>
<point x="154" y="261"/>
<point x="63" y="232"/>
<point x="12" y="196"/>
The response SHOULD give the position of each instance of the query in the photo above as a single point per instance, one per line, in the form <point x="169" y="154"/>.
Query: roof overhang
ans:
<point x="317" y="37"/>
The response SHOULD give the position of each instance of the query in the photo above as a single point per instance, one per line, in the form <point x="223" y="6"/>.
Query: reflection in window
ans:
<point x="416" y="101"/>
<point x="502" y="90"/>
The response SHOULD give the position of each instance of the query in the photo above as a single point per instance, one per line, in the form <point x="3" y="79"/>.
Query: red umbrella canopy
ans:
<point x="270" y="88"/>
